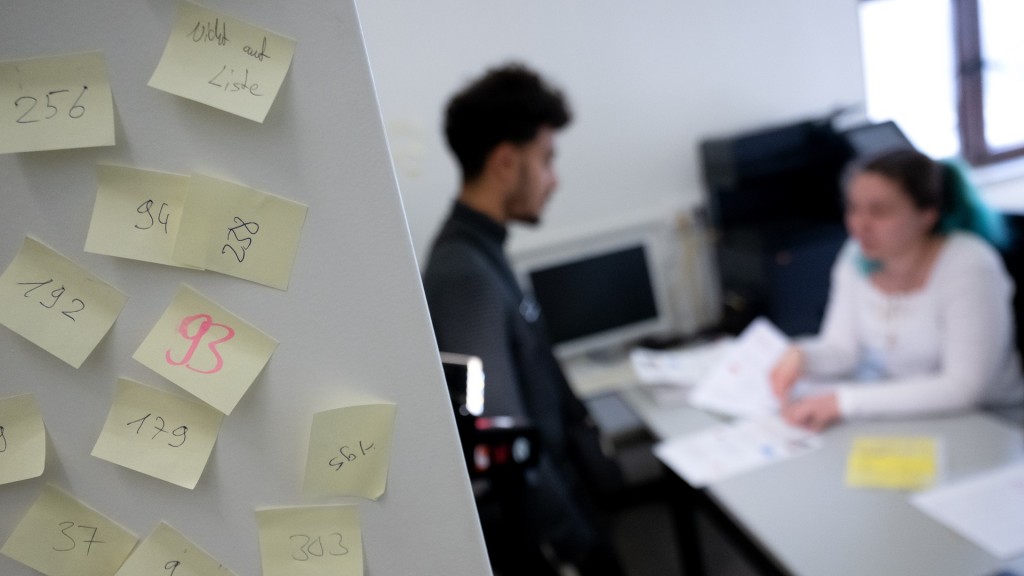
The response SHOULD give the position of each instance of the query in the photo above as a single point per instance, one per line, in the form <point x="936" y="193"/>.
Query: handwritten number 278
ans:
<point x="243" y="243"/>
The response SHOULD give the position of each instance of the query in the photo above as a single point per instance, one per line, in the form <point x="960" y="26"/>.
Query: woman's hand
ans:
<point x="814" y="412"/>
<point x="786" y="371"/>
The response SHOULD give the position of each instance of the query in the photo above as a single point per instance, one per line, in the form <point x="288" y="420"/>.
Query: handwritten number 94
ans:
<point x="76" y="306"/>
<point x="179" y="432"/>
<point x="147" y="209"/>
<point x="30" y="103"/>
<point x="3" y="441"/>
<point x="172" y="566"/>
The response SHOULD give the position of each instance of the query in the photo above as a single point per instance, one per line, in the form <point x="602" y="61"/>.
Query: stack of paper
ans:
<point x="738" y="385"/>
<point x="670" y="374"/>
<point x="722" y="451"/>
<point x="987" y="509"/>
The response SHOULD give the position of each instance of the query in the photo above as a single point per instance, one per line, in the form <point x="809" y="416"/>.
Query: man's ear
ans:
<point x="503" y="162"/>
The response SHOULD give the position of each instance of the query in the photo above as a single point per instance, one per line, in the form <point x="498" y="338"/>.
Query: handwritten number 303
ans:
<point x="314" y="547"/>
<point x="75" y="111"/>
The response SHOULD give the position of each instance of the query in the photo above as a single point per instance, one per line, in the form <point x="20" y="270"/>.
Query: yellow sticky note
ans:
<point x="350" y="451"/>
<point x="223" y="62"/>
<point x="56" y="304"/>
<point x="893" y="462"/>
<point x="22" y="439"/>
<point x="165" y="552"/>
<point x="55" y="103"/>
<point x="60" y="536"/>
<point x="137" y="214"/>
<point x="159" y="434"/>
<point x="239" y="231"/>
<point x="311" y="541"/>
<point x="206" y="350"/>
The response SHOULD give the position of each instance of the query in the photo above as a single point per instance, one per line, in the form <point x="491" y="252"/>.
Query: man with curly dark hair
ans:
<point x="501" y="129"/>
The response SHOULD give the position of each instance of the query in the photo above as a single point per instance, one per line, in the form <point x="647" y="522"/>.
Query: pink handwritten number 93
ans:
<point x="205" y="323"/>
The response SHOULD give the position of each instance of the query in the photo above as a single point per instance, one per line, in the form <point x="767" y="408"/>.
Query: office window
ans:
<point x="950" y="73"/>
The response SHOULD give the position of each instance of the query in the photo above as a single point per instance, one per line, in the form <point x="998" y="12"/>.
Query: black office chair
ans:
<point x="499" y="452"/>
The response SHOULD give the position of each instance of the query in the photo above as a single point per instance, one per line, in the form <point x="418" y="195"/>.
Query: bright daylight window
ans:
<point x="950" y="73"/>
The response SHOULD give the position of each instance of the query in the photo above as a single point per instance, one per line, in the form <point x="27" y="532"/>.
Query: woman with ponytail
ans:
<point x="919" y="319"/>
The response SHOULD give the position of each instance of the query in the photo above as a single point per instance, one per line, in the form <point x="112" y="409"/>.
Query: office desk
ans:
<point x="797" y="517"/>
<point x="801" y="512"/>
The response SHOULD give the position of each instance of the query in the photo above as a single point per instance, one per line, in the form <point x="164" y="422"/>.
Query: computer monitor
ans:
<point x="598" y="294"/>
<point x="870" y="139"/>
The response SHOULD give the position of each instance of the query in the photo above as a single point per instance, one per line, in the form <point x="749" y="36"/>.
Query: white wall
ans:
<point x="647" y="79"/>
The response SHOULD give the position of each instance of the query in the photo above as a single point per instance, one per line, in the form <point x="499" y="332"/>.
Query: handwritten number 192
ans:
<point x="55" y="295"/>
<point x="75" y="111"/>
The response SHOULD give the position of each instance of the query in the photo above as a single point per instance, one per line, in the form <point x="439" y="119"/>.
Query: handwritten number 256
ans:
<point x="76" y="110"/>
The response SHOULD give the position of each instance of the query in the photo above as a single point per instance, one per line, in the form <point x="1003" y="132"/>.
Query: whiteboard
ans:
<point x="353" y="325"/>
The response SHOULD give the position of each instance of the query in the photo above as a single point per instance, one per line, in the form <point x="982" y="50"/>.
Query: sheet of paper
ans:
<point x="56" y="304"/>
<point x="223" y="62"/>
<point x="55" y="103"/>
<point x="159" y="434"/>
<point x="893" y="462"/>
<point x="738" y="385"/>
<point x="60" y="536"/>
<point x="683" y="367"/>
<point x="22" y="439"/>
<point x="311" y="541"/>
<point x="987" y="509"/>
<point x="350" y="451"/>
<point x="137" y="214"/>
<point x="165" y="552"/>
<point x="206" y="350"/>
<point x="239" y="231"/>
<point x="724" y="451"/>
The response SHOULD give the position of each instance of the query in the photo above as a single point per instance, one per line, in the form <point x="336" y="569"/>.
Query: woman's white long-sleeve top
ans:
<point x="948" y="346"/>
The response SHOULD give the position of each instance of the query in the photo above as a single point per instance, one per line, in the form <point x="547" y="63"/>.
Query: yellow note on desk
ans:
<point x="894" y="462"/>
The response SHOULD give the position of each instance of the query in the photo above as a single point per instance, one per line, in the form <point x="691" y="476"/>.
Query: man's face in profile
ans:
<point x="537" y="179"/>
